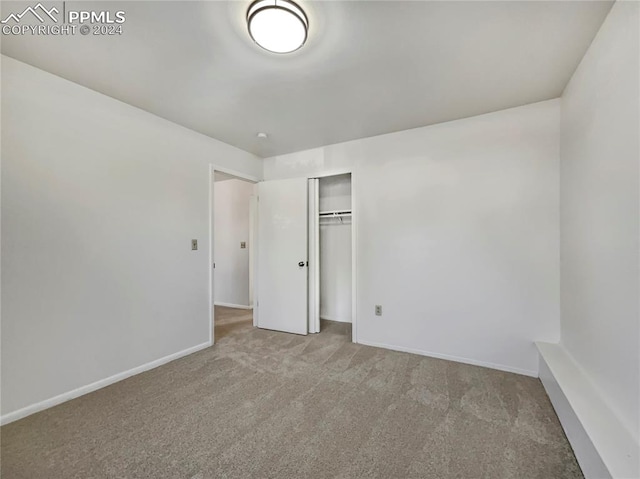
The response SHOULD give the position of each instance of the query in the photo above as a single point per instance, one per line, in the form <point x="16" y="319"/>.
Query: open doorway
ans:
<point x="234" y="205"/>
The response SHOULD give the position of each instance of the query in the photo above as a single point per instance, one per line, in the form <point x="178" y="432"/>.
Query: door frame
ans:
<point x="253" y="266"/>
<point x="354" y="234"/>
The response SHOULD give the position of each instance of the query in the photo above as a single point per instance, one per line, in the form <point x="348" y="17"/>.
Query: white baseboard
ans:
<point x="473" y="362"/>
<point x="81" y="391"/>
<point x="327" y="318"/>
<point x="603" y="446"/>
<point x="231" y="305"/>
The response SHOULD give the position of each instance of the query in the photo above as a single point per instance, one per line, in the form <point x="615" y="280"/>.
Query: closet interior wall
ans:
<point x="335" y="248"/>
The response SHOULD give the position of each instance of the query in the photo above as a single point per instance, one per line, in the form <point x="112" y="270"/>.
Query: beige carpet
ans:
<point x="262" y="404"/>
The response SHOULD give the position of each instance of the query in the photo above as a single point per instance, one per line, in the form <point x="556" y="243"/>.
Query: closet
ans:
<point x="330" y="250"/>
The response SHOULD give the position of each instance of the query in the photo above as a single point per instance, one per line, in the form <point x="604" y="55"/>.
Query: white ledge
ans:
<point x="604" y="447"/>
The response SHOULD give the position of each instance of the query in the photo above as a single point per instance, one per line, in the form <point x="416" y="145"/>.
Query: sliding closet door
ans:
<point x="282" y="255"/>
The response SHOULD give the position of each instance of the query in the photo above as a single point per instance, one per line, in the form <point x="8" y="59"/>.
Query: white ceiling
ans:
<point x="221" y="176"/>
<point x="369" y="67"/>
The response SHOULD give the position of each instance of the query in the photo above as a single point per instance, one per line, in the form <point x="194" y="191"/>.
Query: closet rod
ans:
<point x="335" y="213"/>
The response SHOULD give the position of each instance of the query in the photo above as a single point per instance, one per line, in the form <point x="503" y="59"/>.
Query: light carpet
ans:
<point x="263" y="404"/>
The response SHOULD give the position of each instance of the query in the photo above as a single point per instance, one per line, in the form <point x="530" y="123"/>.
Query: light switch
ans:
<point x="243" y="244"/>
<point x="194" y="244"/>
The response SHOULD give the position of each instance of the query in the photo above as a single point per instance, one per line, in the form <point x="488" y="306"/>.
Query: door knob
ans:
<point x="301" y="264"/>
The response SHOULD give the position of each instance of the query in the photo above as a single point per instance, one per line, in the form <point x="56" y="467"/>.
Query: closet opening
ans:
<point x="331" y="255"/>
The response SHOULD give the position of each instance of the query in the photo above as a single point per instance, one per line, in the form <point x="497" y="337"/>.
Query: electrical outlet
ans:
<point x="194" y="244"/>
<point x="243" y="244"/>
<point x="378" y="310"/>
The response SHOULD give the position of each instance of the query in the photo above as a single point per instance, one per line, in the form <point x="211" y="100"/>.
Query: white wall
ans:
<point x="100" y="201"/>
<point x="335" y="250"/>
<point x="457" y="234"/>
<point x="232" y="202"/>
<point x="600" y="213"/>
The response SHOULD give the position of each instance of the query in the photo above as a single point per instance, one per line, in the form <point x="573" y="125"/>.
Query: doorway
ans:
<point x="233" y="239"/>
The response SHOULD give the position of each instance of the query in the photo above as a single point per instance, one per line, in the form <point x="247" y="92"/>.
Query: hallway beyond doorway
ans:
<point x="230" y="320"/>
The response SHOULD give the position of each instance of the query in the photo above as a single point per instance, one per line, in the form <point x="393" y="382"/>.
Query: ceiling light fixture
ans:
<point x="279" y="26"/>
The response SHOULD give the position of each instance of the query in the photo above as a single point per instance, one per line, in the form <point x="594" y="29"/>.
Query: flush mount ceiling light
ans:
<point x="279" y="26"/>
